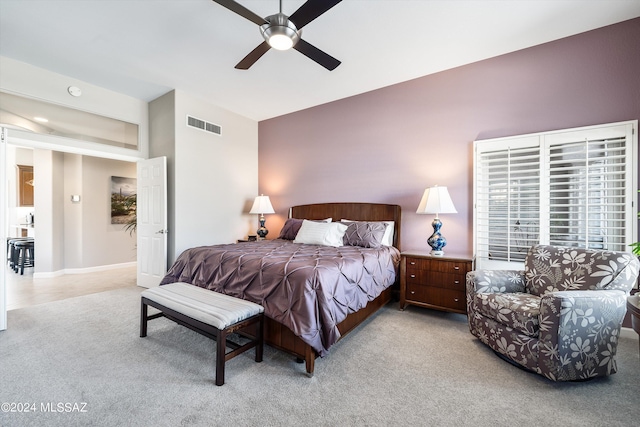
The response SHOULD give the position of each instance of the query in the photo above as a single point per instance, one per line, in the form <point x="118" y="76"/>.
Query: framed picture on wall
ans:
<point x="25" y="185"/>
<point x="123" y="200"/>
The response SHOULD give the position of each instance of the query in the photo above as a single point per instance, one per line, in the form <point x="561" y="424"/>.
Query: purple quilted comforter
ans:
<point x="308" y="288"/>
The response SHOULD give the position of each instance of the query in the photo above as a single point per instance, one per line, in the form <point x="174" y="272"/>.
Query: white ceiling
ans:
<point x="144" y="48"/>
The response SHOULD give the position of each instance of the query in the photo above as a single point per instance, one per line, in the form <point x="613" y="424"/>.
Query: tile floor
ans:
<point x="24" y="291"/>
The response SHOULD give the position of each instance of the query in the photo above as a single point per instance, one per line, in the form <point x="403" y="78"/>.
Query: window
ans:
<point x="571" y="188"/>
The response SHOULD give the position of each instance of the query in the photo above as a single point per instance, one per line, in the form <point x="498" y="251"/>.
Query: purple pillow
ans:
<point x="292" y="226"/>
<point x="290" y="229"/>
<point x="365" y="234"/>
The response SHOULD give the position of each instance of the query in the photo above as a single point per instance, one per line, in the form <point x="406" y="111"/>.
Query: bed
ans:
<point x="312" y="294"/>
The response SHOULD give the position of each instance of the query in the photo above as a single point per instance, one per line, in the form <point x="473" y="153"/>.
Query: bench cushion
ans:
<point x="212" y="308"/>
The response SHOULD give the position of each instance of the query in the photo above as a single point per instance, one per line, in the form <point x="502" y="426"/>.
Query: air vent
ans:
<point x="204" y="126"/>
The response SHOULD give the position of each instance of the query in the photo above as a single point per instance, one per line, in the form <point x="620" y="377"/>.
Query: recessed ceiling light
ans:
<point x="74" y="91"/>
<point x="40" y="119"/>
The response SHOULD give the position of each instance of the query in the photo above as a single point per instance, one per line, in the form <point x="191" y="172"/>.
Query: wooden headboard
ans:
<point x="352" y="211"/>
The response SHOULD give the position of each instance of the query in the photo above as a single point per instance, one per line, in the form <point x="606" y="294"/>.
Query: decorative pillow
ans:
<point x="387" y="239"/>
<point x="365" y="234"/>
<point x="321" y="233"/>
<point x="292" y="226"/>
<point x="290" y="229"/>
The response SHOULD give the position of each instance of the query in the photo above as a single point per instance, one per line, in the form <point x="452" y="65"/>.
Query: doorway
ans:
<point x="73" y="234"/>
<point x="126" y="273"/>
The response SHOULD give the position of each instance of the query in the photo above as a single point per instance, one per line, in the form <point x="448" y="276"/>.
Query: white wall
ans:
<point x="57" y="209"/>
<point x="73" y="212"/>
<point x="212" y="179"/>
<point x="103" y="243"/>
<point x="87" y="237"/>
<point x="49" y="225"/>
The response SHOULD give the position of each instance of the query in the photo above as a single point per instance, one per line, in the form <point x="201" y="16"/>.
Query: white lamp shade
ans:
<point x="436" y="200"/>
<point x="262" y="205"/>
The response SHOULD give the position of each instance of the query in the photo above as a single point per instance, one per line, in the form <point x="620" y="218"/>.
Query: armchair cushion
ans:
<point x="556" y="268"/>
<point x="519" y="311"/>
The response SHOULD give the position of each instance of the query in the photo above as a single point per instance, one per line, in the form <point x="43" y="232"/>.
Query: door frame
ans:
<point x="46" y="142"/>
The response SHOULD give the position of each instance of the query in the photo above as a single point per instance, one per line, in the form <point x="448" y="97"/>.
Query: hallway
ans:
<point x="24" y="291"/>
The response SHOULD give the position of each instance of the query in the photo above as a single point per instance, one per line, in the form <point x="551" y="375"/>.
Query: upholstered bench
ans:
<point x="209" y="313"/>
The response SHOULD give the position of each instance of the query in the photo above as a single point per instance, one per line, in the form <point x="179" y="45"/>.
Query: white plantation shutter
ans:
<point x="588" y="183"/>
<point x="568" y="188"/>
<point x="507" y="200"/>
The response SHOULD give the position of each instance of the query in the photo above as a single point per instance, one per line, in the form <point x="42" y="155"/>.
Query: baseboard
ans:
<point x="96" y="269"/>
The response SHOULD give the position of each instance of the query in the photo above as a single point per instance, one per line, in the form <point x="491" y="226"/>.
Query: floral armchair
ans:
<point x="561" y="316"/>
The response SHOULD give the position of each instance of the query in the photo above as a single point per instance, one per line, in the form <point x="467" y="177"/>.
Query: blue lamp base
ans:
<point x="262" y="231"/>
<point x="437" y="241"/>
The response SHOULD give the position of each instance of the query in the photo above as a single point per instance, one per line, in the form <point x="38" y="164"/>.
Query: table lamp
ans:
<point x="262" y="205"/>
<point x="436" y="200"/>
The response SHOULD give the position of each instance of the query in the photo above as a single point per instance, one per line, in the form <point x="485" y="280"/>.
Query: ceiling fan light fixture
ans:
<point x="280" y="42"/>
<point x="280" y="33"/>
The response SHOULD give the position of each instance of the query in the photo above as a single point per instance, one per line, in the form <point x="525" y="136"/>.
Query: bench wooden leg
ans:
<point x="221" y="344"/>
<point x="260" y="338"/>
<point x="143" y="319"/>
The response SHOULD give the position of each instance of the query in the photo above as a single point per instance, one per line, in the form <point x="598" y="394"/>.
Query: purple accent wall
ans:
<point x="390" y="144"/>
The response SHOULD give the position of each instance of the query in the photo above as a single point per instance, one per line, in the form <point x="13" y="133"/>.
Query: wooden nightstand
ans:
<point x="436" y="282"/>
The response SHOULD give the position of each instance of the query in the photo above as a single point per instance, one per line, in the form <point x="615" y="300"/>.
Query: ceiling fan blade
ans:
<point x="241" y="10"/>
<point x="253" y="56"/>
<point x="312" y="52"/>
<point x="310" y="11"/>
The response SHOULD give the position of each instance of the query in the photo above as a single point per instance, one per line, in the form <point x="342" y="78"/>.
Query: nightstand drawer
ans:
<point x="436" y="279"/>
<point x="418" y="264"/>
<point x="441" y="297"/>
<point x="448" y="281"/>
<point x="435" y="264"/>
<point x="452" y="266"/>
<point x="446" y="298"/>
<point x="416" y="292"/>
<point x="417" y="276"/>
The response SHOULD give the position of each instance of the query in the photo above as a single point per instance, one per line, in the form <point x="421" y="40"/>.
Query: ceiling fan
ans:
<point x="284" y="32"/>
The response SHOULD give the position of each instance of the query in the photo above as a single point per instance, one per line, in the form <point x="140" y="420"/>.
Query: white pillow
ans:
<point x="387" y="238"/>
<point x="321" y="233"/>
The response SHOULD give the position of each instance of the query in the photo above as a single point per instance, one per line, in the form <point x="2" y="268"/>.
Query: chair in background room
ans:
<point x="12" y="254"/>
<point x="561" y="316"/>
<point x="22" y="254"/>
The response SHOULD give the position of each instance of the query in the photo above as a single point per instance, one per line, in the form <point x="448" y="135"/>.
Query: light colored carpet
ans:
<point x="417" y="367"/>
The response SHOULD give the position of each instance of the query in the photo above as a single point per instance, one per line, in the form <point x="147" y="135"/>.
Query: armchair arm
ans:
<point x="495" y="281"/>
<point x="579" y="333"/>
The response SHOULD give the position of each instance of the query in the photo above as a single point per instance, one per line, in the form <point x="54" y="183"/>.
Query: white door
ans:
<point x="152" y="221"/>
